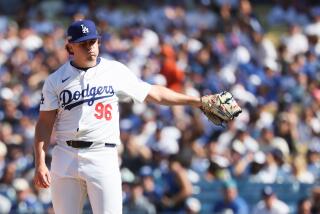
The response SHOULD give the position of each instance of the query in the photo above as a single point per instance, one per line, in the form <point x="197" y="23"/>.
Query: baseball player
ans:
<point x="80" y="102"/>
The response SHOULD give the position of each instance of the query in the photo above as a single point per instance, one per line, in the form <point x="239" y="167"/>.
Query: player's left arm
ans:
<point x="165" y="96"/>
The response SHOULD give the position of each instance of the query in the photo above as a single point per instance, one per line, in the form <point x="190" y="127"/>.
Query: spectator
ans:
<point x="313" y="160"/>
<point x="299" y="171"/>
<point x="5" y="204"/>
<point x="225" y="19"/>
<point x="6" y="187"/>
<point x="225" y="138"/>
<point x="269" y="173"/>
<point x="193" y="206"/>
<point x="240" y="159"/>
<point x="3" y="153"/>
<point x="138" y="203"/>
<point x="304" y="206"/>
<point x="315" y="200"/>
<point x="231" y="201"/>
<point x="151" y="190"/>
<point x="284" y="168"/>
<point x="282" y="13"/>
<point x="26" y="199"/>
<point x="270" y="204"/>
<point x="255" y="167"/>
<point x="308" y="119"/>
<point x="295" y="41"/>
<point x="177" y="185"/>
<point x="134" y="155"/>
<point x="263" y="50"/>
<point x="170" y="69"/>
<point x="286" y="128"/>
<point x="314" y="27"/>
<point x="217" y="169"/>
<point x="246" y="16"/>
<point x="268" y="142"/>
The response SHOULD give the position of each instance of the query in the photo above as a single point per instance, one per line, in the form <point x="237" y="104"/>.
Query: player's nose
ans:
<point x="86" y="45"/>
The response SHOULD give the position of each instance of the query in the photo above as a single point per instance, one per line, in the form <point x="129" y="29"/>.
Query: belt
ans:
<point x="85" y="144"/>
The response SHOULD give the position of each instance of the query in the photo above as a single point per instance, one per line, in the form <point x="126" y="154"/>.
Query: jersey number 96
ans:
<point x="103" y="111"/>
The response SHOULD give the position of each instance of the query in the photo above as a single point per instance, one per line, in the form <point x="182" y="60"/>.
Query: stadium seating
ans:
<point x="211" y="192"/>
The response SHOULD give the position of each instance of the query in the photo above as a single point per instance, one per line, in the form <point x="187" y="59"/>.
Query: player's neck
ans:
<point x="84" y="66"/>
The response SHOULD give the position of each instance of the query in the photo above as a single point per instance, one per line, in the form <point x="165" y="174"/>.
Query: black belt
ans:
<point x="85" y="144"/>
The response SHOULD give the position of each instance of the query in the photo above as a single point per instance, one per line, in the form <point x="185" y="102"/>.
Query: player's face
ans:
<point x="85" y="52"/>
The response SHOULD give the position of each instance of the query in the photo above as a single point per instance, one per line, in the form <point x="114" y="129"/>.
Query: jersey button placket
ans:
<point x="82" y="84"/>
<point x="86" y="114"/>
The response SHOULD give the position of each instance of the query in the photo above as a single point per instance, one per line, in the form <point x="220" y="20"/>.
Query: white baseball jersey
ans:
<point x="87" y="101"/>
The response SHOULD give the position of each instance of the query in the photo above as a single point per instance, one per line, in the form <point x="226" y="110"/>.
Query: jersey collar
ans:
<point x="85" y="69"/>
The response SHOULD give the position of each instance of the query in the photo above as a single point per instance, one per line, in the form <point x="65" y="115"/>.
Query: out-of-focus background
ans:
<point x="172" y="159"/>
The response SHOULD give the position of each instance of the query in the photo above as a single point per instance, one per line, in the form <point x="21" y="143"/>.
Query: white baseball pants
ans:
<point x="78" y="172"/>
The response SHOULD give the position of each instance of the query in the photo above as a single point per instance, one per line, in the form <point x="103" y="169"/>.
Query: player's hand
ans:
<point x="42" y="177"/>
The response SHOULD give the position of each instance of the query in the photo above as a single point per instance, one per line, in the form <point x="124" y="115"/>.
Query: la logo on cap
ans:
<point x="84" y="29"/>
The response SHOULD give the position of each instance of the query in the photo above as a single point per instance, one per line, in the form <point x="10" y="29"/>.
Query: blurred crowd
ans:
<point x="194" y="47"/>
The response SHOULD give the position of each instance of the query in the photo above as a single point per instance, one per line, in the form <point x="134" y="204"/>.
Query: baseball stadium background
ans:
<point x="173" y="160"/>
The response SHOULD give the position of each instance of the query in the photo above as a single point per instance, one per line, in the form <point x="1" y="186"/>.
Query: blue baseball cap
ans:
<point x="82" y="30"/>
<point x="267" y="191"/>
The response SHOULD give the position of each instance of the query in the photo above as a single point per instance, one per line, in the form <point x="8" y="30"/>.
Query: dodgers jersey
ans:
<point x="87" y="101"/>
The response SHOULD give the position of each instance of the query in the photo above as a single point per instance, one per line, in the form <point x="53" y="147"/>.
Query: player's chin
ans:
<point x="92" y="57"/>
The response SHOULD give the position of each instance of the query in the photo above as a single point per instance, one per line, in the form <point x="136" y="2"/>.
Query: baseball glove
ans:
<point x="220" y="108"/>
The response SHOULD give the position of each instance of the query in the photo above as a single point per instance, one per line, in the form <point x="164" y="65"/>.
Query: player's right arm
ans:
<point x="41" y="142"/>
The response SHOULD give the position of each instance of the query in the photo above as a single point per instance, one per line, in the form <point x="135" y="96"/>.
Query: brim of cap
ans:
<point x="267" y="194"/>
<point x="85" y="38"/>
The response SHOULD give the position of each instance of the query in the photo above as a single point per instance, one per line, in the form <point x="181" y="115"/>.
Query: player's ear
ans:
<point x="69" y="49"/>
